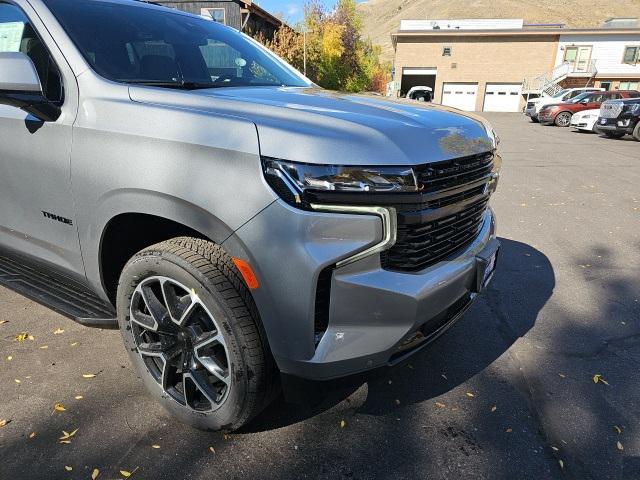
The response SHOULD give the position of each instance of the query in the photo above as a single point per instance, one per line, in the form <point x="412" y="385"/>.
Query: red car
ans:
<point x="561" y="113"/>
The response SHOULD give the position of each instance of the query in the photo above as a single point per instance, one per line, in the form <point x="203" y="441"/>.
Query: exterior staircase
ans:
<point x="547" y="84"/>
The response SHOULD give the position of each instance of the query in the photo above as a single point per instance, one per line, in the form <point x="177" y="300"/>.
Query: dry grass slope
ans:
<point x="381" y="17"/>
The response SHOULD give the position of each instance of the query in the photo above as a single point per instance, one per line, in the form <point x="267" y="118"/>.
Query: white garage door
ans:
<point x="502" y="97"/>
<point x="460" y="95"/>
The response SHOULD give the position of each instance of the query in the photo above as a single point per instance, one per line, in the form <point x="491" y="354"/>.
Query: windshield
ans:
<point x="135" y="43"/>
<point x="577" y="98"/>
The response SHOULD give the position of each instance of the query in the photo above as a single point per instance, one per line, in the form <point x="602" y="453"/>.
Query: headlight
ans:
<point x="635" y="108"/>
<point x="291" y="180"/>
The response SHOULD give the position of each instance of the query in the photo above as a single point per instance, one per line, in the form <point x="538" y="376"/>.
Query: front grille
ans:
<point x="430" y="232"/>
<point x="611" y="109"/>
<point x="531" y="105"/>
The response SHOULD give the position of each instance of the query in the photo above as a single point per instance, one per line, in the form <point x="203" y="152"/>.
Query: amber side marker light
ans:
<point x="247" y="273"/>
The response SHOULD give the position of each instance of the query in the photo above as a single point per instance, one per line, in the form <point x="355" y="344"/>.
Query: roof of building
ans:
<point x="536" y="31"/>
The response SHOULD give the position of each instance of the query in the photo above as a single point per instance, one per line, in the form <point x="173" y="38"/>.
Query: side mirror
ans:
<point x="585" y="101"/>
<point x="20" y="87"/>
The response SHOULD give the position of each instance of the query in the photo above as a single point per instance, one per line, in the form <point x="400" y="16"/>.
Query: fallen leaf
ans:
<point x="343" y="424"/>
<point x="598" y="378"/>
<point x="226" y="436"/>
<point x="58" y="331"/>
<point x="67" y="435"/>
<point x="17" y="381"/>
<point x="32" y="435"/>
<point x="58" y="407"/>
<point x="65" y="442"/>
<point x="440" y="405"/>
<point x="470" y="395"/>
<point x="74" y="344"/>
<point x="617" y="429"/>
<point x="444" y="376"/>
<point x="21" y="337"/>
<point x="619" y="445"/>
<point x="95" y="474"/>
<point x="127" y="474"/>
<point x="555" y="449"/>
<point x="158" y="446"/>
<point x="509" y="430"/>
<point x="44" y="347"/>
<point x="9" y="358"/>
<point x="494" y="408"/>
<point x="88" y="375"/>
<point x="2" y="322"/>
<point x="561" y="375"/>
<point x="4" y="422"/>
<point x="30" y="337"/>
<point x="397" y="402"/>
<point x="409" y="366"/>
<point x="78" y="397"/>
<point x="68" y="468"/>
<point x="561" y="464"/>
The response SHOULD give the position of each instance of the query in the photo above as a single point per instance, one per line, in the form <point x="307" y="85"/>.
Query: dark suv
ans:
<point x="619" y="118"/>
<point x="561" y="114"/>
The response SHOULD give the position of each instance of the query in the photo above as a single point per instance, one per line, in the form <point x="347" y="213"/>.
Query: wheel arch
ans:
<point x="121" y="231"/>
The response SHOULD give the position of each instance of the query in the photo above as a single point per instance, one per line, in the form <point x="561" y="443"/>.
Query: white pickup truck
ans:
<point x="534" y="105"/>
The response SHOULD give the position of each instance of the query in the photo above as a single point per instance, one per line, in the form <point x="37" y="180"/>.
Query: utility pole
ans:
<point x="304" y="33"/>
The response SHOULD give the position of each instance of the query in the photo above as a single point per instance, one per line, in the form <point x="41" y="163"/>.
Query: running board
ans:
<point x="56" y="292"/>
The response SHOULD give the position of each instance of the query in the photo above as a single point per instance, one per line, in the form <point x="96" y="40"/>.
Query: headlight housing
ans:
<point x="635" y="108"/>
<point x="293" y="180"/>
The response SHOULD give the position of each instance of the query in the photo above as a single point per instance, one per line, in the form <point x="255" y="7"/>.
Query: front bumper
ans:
<point x="376" y="317"/>
<point x="546" y="117"/>
<point x="621" y="125"/>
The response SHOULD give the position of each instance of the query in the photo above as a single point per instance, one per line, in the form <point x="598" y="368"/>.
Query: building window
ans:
<point x="216" y="14"/>
<point x="629" y="85"/>
<point x="631" y="55"/>
<point x="446" y="51"/>
<point x="605" y="85"/>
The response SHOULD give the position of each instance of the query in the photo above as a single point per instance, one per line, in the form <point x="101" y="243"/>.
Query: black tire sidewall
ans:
<point x="636" y="131"/>
<point x="171" y="266"/>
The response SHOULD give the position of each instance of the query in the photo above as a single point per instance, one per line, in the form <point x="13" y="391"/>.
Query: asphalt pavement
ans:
<point x="508" y="393"/>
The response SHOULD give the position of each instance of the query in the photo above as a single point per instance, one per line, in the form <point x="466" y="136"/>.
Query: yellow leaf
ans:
<point x="88" y="375"/>
<point x="65" y="442"/>
<point x="22" y="337"/>
<point x="440" y="405"/>
<point x="95" y="474"/>
<point x="125" y="474"/>
<point x="9" y="358"/>
<point x="58" y="407"/>
<point x="58" y="331"/>
<point x="470" y="395"/>
<point x="617" y="429"/>
<point x="74" y="344"/>
<point x="226" y="436"/>
<point x="78" y="397"/>
<point x="598" y="378"/>
<point x="211" y="449"/>
<point x="17" y="381"/>
<point x="4" y="422"/>
<point x="620" y="446"/>
<point x="30" y="337"/>
<point x="68" y="468"/>
<point x="32" y="435"/>
<point x="494" y="408"/>
<point x="509" y="430"/>
<point x="2" y="322"/>
<point x="44" y="347"/>
<point x="74" y="432"/>
<point x="343" y="424"/>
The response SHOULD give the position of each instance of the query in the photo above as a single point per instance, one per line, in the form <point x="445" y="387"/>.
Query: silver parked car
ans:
<point x="245" y="229"/>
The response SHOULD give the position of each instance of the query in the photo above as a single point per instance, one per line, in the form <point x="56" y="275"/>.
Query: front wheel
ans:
<point x="636" y="132"/>
<point x="534" y="120"/>
<point x="563" y="119"/>
<point x="194" y="335"/>
<point x="614" y="134"/>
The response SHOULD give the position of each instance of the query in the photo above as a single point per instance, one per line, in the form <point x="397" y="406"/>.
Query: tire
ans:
<point x="563" y="119"/>
<point x="636" y="132"/>
<point x="534" y="120"/>
<point x="223" y="373"/>
<point x="614" y="134"/>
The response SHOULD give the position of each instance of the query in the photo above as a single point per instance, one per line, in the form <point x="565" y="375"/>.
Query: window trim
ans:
<point x="210" y="10"/>
<point x="636" y="61"/>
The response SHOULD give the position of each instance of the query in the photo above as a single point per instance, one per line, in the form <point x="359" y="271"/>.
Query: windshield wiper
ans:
<point x="169" y="84"/>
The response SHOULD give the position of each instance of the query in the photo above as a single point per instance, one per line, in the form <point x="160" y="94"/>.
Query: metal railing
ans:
<point x="548" y="82"/>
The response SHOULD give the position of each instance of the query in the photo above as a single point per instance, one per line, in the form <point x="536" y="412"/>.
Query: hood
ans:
<point x="317" y="126"/>
<point x="584" y="113"/>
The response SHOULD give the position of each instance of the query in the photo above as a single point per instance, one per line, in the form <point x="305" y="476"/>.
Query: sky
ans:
<point x="292" y="9"/>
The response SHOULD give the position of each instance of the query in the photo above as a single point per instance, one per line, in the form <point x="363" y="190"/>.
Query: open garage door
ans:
<point x="460" y="95"/>
<point x="502" y="97"/>
<point x="417" y="77"/>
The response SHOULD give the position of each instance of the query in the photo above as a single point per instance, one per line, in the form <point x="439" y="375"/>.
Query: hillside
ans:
<point x="381" y="17"/>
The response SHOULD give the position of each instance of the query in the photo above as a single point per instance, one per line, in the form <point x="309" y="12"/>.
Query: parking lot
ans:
<point x="508" y="393"/>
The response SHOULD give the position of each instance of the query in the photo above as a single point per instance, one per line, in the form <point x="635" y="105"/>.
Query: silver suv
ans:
<point x="246" y="230"/>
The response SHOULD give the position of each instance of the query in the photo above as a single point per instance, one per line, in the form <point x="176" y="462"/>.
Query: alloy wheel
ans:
<point x="563" y="119"/>
<point x="180" y="343"/>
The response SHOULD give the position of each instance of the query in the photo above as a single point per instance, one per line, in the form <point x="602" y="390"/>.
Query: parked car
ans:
<point x="619" y="118"/>
<point x="585" y="120"/>
<point x="421" y="94"/>
<point x="561" y="114"/>
<point x="534" y="105"/>
<point x="245" y="229"/>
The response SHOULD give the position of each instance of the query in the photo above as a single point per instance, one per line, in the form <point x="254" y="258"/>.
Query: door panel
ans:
<point x="36" y="206"/>
<point x="582" y="59"/>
